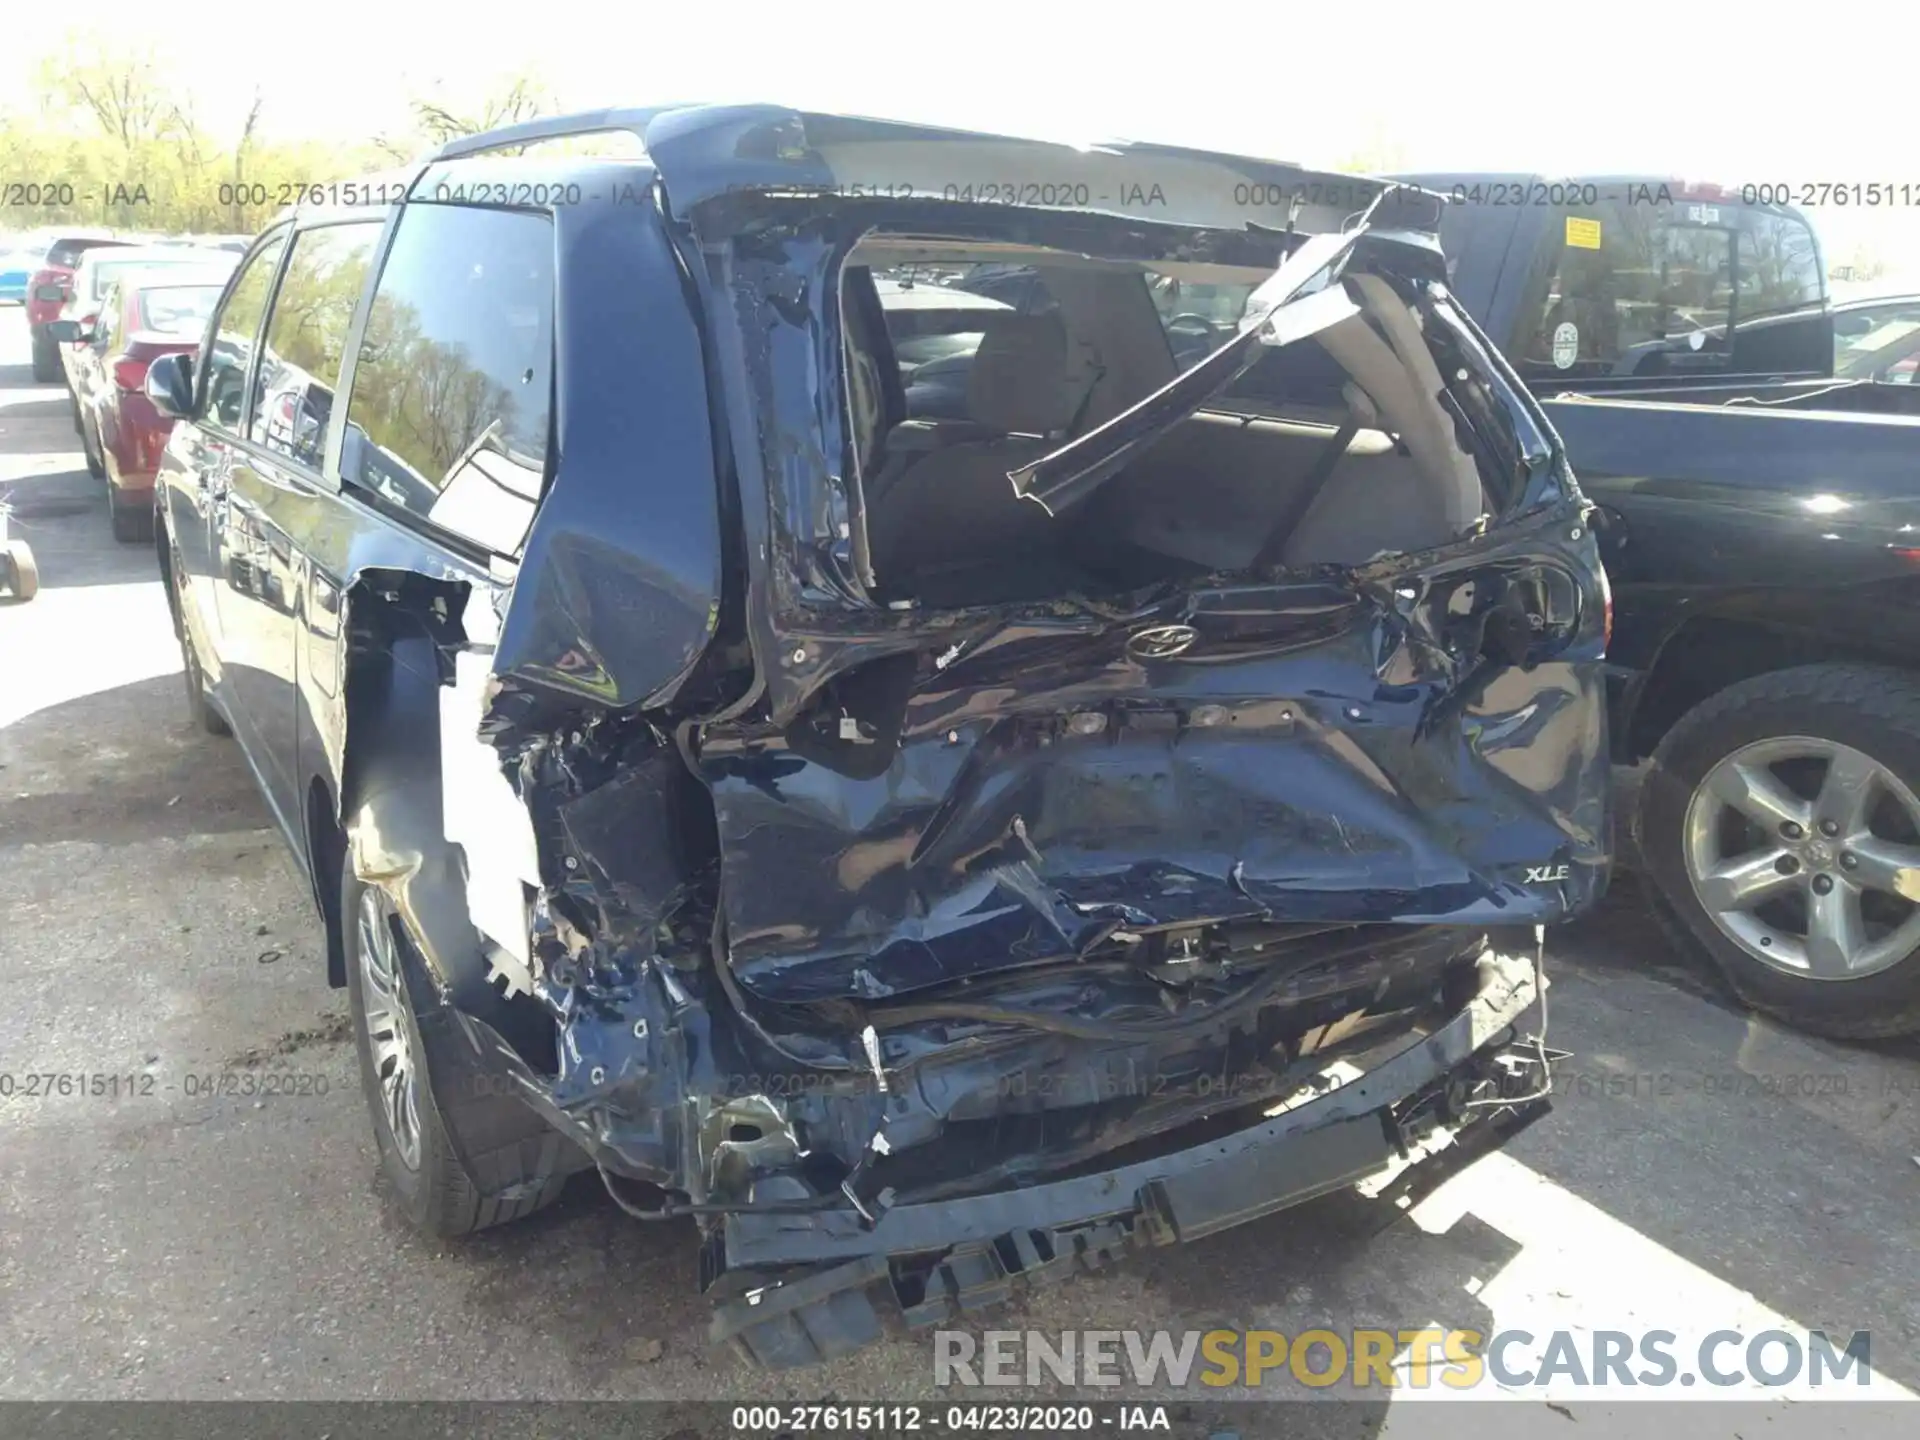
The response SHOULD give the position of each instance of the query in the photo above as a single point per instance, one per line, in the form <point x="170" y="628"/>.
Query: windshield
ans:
<point x="177" y="309"/>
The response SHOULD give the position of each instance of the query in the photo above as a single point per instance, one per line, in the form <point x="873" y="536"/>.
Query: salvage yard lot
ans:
<point x="204" y="1221"/>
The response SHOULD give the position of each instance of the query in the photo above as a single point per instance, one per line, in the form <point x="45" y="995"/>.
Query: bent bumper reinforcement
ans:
<point x="1047" y="1231"/>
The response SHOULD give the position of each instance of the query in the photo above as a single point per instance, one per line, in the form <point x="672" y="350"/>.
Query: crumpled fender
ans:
<point x="394" y="827"/>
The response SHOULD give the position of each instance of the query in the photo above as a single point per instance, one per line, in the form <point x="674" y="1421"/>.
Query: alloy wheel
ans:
<point x="1806" y="854"/>
<point x="389" y="1030"/>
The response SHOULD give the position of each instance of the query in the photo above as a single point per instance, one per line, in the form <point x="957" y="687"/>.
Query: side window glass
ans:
<point x="1634" y="289"/>
<point x="307" y="338"/>
<point x="1779" y="266"/>
<point x="225" y="362"/>
<point x="451" y="390"/>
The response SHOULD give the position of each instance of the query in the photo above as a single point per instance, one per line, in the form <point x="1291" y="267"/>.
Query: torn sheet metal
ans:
<point x="1273" y="769"/>
<point x="482" y="814"/>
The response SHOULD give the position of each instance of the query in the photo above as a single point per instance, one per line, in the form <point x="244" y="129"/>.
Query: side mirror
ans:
<point x="169" y="385"/>
<point x="65" y="332"/>
<point x="1852" y="324"/>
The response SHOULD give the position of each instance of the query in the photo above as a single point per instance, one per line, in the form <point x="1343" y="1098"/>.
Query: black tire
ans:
<point x="46" y="360"/>
<point x="132" y="521"/>
<point x="519" y="1153"/>
<point x="1873" y="710"/>
<point x="90" y="448"/>
<point x="198" y="709"/>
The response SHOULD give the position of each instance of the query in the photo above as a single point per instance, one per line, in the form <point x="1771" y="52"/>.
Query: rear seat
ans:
<point x="942" y="515"/>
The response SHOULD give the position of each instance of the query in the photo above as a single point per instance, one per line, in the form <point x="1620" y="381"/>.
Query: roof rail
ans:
<point x="554" y="127"/>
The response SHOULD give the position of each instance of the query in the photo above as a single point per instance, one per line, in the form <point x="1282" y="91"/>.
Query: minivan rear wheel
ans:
<point x="1781" y="824"/>
<point x="431" y="1185"/>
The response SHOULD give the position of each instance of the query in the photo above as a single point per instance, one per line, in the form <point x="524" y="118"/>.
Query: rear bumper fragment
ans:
<point x="1048" y="1231"/>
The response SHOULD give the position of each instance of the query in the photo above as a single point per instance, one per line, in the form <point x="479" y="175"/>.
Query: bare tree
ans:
<point x="125" y="95"/>
<point x="523" y="98"/>
<point x="240" y="151"/>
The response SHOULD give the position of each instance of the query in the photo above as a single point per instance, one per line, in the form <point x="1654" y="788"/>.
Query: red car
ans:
<point x="48" y="291"/>
<point x="143" y="315"/>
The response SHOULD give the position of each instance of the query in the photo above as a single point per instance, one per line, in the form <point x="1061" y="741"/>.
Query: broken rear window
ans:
<point x="969" y="361"/>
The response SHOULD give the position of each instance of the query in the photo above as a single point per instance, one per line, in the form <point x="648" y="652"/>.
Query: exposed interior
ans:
<point x="968" y="359"/>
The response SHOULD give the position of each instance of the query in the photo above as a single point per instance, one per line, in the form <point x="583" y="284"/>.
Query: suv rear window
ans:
<point x="452" y="388"/>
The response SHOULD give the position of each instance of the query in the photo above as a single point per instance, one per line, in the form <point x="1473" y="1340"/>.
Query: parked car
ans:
<point x="1761" y="508"/>
<point x="929" y="855"/>
<point x="48" y="290"/>
<point x="18" y="260"/>
<point x="143" y="315"/>
<point x="98" y="270"/>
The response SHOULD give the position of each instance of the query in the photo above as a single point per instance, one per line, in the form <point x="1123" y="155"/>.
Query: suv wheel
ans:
<point x="46" y="360"/>
<point x="433" y="1187"/>
<point x="132" y="519"/>
<point x="90" y="447"/>
<point x="1781" y="824"/>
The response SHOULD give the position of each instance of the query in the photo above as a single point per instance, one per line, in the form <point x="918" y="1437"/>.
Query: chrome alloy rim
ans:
<point x="384" y="997"/>
<point x="1806" y="854"/>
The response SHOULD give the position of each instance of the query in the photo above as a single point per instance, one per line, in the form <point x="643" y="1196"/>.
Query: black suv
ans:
<point x="924" y="850"/>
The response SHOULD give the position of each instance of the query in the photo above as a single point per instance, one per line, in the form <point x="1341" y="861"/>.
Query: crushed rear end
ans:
<point x="949" y="893"/>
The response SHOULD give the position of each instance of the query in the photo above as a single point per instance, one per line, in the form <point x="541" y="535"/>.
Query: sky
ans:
<point x="1705" y="91"/>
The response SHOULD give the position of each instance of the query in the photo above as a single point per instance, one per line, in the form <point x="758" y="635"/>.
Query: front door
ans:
<point x="275" y="485"/>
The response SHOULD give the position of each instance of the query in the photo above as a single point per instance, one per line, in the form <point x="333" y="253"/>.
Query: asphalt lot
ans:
<point x="1702" y="1170"/>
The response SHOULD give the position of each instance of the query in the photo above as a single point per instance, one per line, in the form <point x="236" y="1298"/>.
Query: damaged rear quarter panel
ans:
<point x="1357" y="775"/>
<point x="1301" y="762"/>
<point x="619" y="584"/>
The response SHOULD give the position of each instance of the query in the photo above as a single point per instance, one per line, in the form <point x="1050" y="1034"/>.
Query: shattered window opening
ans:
<point x="992" y="356"/>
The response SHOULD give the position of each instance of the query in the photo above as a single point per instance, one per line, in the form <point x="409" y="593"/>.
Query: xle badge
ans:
<point x="1545" y="874"/>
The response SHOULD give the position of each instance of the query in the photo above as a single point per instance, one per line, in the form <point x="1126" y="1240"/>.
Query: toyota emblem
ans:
<point x="1161" y="642"/>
